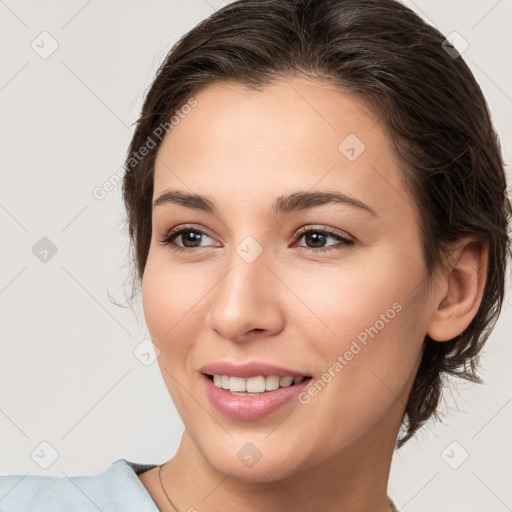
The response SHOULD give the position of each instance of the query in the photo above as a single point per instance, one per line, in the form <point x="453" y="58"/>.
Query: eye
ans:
<point x="188" y="235"/>
<point x="318" y="237"/>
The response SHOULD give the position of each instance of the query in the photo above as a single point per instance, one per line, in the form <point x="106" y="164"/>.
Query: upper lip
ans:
<point x="249" y="369"/>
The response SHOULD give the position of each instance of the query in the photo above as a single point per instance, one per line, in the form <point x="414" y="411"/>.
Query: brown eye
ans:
<point x="316" y="240"/>
<point x="191" y="238"/>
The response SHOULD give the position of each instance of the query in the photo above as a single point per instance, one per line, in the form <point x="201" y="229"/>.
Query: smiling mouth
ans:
<point x="254" y="385"/>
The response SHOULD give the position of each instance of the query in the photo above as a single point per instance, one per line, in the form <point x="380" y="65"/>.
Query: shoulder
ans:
<point x="116" y="488"/>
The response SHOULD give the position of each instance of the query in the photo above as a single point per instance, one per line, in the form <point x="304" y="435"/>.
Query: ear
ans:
<point x="459" y="292"/>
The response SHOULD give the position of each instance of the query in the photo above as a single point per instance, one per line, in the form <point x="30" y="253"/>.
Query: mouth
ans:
<point x="255" y="397"/>
<point x="256" y="385"/>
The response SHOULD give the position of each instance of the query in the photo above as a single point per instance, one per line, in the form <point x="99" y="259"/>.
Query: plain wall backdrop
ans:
<point x="75" y="391"/>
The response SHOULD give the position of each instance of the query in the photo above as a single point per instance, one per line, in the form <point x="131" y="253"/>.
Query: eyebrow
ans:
<point x="296" y="201"/>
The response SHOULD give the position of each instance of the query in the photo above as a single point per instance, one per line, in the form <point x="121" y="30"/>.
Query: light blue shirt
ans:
<point x="117" y="488"/>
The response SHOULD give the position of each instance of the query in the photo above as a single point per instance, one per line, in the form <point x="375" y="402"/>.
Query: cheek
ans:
<point x="172" y="299"/>
<point x="340" y="301"/>
<point x="364" y="324"/>
<point x="172" y="304"/>
<point x="366" y="375"/>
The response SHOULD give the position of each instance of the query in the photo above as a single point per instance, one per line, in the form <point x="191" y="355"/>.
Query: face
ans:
<point x="327" y="289"/>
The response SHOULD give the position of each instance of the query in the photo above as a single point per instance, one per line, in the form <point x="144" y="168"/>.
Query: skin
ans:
<point x="242" y="149"/>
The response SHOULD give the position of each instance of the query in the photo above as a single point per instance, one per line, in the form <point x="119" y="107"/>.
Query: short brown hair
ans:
<point x="431" y="107"/>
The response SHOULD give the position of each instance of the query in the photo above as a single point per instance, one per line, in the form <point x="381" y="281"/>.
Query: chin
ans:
<point x="262" y="472"/>
<point x="256" y="461"/>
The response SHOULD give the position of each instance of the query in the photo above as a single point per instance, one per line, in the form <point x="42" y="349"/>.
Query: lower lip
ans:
<point x="249" y="408"/>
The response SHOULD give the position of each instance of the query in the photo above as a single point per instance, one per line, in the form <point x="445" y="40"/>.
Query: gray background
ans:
<point x="69" y="377"/>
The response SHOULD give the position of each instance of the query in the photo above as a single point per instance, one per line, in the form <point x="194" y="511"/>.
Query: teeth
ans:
<point x="271" y="383"/>
<point x="254" y="385"/>
<point x="237" y="384"/>
<point x="285" y="382"/>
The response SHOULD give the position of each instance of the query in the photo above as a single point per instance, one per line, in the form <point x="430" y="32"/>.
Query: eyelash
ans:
<point x="175" y="232"/>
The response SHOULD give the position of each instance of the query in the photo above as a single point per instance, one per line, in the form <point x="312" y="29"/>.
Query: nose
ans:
<point x="246" y="302"/>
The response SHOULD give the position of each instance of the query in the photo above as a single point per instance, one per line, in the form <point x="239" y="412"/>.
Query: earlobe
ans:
<point x="461" y="290"/>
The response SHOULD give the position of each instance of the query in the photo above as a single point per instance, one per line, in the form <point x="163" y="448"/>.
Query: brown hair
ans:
<point x="430" y="105"/>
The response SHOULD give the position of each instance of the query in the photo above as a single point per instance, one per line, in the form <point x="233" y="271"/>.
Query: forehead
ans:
<point x="294" y="134"/>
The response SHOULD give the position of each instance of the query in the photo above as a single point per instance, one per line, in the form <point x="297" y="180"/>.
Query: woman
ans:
<point x="316" y="199"/>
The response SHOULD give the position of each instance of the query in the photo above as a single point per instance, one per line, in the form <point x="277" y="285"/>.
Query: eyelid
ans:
<point x="325" y="229"/>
